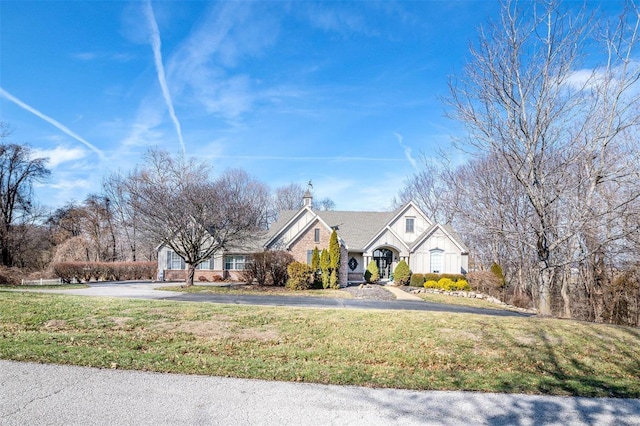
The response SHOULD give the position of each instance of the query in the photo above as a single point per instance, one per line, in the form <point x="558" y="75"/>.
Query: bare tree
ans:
<point x="18" y="171"/>
<point x="523" y="99"/>
<point x="288" y="197"/>
<point x="433" y="189"/>
<point x="196" y="217"/>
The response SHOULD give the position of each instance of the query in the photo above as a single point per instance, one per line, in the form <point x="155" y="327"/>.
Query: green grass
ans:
<point x="461" y="301"/>
<point x="43" y="287"/>
<point x="259" y="290"/>
<point x="400" y="349"/>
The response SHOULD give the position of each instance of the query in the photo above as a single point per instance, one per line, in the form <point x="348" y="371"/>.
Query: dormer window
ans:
<point x="409" y="222"/>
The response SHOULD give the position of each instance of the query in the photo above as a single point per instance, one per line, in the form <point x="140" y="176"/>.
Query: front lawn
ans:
<point x="400" y="349"/>
<point x="257" y="289"/>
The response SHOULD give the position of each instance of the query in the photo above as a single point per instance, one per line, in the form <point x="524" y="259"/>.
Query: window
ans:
<point x="316" y="235"/>
<point x="206" y="265"/>
<point x="436" y="261"/>
<point x="409" y="225"/>
<point x="309" y="257"/>
<point x="174" y="261"/>
<point x="234" y="263"/>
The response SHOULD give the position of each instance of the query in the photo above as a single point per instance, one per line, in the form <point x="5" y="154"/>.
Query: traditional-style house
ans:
<point x="385" y="237"/>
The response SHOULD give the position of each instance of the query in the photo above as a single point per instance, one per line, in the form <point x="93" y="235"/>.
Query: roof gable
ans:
<point x="447" y="230"/>
<point x="394" y="218"/>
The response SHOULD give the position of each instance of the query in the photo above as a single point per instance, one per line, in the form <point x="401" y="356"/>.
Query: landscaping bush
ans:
<point x="463" y="285"/>
<point x="446" y="284"/>
<point x="417" y="280"/>
<point x="402" y="273"/>
<point x="202" y="279"/>
<point x="431" y="284"/>
<point x="432" y="277"/>
<point x="485" y="282"/>
<point x="453" y="277"/>
<point x="300" y="276"/>
<point x="268" y="268"/>
<point x="496" y="269"/>
<point x="10" y="276"/>
<point x="86" y="271"/>
<point x="325" y="262"/>
<point x="372" y="274"/>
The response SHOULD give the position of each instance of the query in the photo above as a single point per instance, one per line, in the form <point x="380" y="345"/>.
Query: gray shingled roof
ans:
<point x="356" y="228"/>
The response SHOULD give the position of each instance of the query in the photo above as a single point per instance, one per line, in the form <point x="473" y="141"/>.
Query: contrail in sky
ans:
<point x="407" y="151"/>
<point x="156" y="45"/>
<point x="51" y="121"/>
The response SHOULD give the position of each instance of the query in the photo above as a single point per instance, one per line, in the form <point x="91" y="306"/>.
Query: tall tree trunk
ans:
<point x="566" y="299"/>
<point x="191" y="272"/>
<point x="544" y="289"/>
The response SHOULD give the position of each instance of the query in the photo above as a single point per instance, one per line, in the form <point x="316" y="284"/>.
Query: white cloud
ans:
<point x="59" y="155"/>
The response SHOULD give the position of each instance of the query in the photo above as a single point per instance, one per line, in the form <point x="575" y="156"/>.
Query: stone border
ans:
<point x="468" y="295"/>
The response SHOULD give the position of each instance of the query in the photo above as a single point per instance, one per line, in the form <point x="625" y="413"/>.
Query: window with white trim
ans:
<point x="436" y="260"/>
<point x="316" y="235"/>
<point x="206" y="264"/>
<point x="234" y="263"/>
<point x="409" y="222"/>
<point x="174" y="261"/>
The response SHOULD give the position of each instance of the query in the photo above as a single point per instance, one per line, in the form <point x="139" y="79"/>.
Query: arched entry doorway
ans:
<point x="383" y="258"/>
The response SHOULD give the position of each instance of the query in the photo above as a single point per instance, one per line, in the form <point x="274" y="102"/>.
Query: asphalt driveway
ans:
<point x="149" y="290"/>
<point x="40" y="394"/>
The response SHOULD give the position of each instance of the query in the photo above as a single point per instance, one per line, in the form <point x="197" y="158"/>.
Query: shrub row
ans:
<point x="418" y="280"/>
<point x="104" y="271"/>
<point x="448" y="284"/>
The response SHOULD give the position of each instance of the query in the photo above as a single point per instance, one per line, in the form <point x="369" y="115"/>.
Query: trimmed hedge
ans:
<point x="104" y="271"/>
<point x="417" y="280"/>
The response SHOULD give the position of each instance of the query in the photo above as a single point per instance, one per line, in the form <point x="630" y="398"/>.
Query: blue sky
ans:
<point x="343" y="93"/>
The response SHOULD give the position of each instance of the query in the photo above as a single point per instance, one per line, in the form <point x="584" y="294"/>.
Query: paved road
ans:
<point x="148" y="290"/>
<point x="39" y="394"/>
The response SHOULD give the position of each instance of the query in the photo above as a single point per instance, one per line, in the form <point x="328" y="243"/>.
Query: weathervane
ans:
<point x="310" y="185"/>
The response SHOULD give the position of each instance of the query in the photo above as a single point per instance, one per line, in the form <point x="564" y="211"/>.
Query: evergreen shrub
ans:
<point x="300" y="276"/>
<point x="402" y="273"/>
<point x="417" y="280"/>
<point x="372" y="274"/>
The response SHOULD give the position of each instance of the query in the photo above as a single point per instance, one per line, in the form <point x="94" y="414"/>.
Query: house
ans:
<point x="385" y="237"/>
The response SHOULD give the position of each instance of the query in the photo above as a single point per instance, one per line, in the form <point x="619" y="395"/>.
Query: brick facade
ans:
<point x="208" y="275"/>
<point x="307" y="242"/>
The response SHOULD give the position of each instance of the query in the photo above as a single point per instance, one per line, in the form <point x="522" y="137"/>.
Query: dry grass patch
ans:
<point x="400" y="349"/>
<point x="258" y="290"/>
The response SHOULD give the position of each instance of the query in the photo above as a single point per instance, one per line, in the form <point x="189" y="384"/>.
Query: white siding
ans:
<point x="452" y="256"/>
<point x="292" y="230"/>
<point x="387" y="239"/>
<point x="420" y="224"/>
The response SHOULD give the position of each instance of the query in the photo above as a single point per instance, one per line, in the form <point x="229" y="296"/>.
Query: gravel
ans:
<point x="369" y="292"/>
